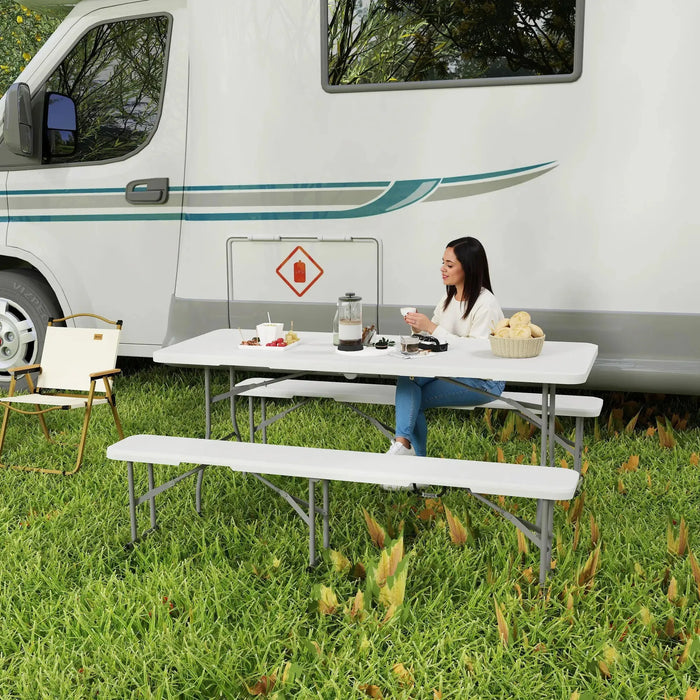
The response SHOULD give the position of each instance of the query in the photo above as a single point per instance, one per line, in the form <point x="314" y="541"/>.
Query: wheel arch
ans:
<point x="25" y="261"/>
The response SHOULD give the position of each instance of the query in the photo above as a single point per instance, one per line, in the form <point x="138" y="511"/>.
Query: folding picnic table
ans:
<point x="560" y="363"/>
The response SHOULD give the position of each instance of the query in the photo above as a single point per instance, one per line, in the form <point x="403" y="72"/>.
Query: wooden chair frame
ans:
<point x="61" y="399"/>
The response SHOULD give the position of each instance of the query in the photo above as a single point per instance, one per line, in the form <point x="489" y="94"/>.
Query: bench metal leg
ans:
<point x="540" y="534"/>
<point x="151" y="494"/>
<point x="198" y="492"/>
<point x="546" y="536"/>
<point x="325" y="512"/>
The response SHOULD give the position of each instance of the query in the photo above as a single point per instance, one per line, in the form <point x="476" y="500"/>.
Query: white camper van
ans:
<point x="193" y="164"/>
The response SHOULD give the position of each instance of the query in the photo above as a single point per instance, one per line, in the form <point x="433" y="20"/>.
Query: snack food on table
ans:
<point x="516" y="336"/>
<point x="252" y="341"/>
<point x="519" y="325"/>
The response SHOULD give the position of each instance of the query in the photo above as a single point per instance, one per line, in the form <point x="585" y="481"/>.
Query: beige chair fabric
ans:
<point x="77" y="369"/>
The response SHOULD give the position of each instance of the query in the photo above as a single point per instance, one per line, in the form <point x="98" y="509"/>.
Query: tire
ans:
<point x="26" y="304"/>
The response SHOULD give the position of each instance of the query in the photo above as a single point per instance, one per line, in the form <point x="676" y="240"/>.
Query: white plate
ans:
<point x="277" y="348"/>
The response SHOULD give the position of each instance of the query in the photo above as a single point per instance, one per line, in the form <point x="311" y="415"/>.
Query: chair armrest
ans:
<point x="24" y="369"/>
<point x="105" y="373"/>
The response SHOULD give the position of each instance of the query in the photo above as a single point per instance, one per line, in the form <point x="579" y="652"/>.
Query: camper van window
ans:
<point x="115" y="76"/>
<point x="390" y="44"/>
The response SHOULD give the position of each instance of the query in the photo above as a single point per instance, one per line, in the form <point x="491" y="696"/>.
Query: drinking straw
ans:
<point x="268" y="317"/>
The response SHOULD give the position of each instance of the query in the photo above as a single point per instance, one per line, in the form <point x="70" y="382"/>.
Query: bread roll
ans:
<point x="521" y="318"/>
<point x="520" y="332"/>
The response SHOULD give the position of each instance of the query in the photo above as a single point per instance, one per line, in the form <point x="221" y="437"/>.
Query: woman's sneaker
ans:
<point x="398" y="449"/>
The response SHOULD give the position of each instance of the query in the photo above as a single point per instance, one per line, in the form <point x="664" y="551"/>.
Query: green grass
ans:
<point x="206" y="607"/>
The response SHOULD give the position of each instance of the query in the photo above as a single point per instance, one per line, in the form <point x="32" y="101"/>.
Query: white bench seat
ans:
<point x="545" y="484"/>
<point x="384" y="394"/>
<point x="574" y="406"/>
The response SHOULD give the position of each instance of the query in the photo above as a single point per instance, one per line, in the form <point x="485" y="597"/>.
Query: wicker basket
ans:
<point x="516" y="347"/>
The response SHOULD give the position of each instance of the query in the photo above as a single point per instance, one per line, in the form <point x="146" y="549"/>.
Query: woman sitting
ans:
<point x="467" y="310"/>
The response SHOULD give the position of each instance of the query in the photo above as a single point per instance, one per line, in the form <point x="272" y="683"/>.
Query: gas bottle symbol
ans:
<point x="299" y="272"/>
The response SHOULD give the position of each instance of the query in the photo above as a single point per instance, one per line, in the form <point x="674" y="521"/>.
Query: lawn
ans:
<point x="224" y="606"/>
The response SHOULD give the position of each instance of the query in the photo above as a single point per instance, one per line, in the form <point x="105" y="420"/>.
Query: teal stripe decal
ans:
<point x="211" y="188"/>
<point x="488" y="176"/>
<point x="291" y="186"/>
<point x="398" y="195"/>
<point x="91" y="217"/>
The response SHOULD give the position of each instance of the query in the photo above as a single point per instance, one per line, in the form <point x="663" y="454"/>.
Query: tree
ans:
<point x="22" y="33"/>
<point x="446" y="39"/>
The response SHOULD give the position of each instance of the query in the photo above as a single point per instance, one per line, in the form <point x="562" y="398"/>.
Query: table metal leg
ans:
<point x="152" y="499"/>
<point x="312" y="523"/>
<point x="552" y="422"/>
<point x="326" y="515"/>
<point x="263" y="418"/>
<point x="232" y="402"/>
<point x="545" y="424"/>
<point x="207" y="402"/>
<point x="251" y="418"/>
<point x="132" y="499"/>
<point x="578" y="444"/>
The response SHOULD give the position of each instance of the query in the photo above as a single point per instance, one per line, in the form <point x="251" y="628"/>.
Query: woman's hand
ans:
<point x="419" y="322"/>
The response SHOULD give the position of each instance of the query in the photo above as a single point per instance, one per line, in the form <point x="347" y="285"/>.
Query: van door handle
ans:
<point x="151" y="191"/>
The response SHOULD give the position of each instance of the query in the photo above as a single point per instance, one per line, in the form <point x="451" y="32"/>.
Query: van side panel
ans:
<point x="582" y="192"/>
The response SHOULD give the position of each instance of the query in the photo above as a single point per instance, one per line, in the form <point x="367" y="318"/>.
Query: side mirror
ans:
<point x="18" y="128"/>
<point x="61" y="125"/>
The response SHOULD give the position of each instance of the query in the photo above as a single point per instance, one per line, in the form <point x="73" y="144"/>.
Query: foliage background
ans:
<point x="22" y="33"/>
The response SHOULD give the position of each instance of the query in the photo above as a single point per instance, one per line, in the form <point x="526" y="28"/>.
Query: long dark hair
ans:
<point x="472" y="257"/>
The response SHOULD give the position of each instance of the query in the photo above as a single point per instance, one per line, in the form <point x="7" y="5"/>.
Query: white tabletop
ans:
<point x="558" y="363"/>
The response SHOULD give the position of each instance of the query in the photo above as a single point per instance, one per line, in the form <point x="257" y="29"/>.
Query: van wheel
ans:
<point x="26" y="304"/>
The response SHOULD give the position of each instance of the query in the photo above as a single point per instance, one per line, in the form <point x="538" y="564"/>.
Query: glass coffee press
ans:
<point x="349" y="322"/>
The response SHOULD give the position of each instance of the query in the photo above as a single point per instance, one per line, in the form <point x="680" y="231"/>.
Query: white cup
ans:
<point x="267" y="332"/>
<point x="408" y="310"/>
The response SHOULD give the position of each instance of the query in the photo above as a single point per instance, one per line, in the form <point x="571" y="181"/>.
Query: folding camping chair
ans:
<point x="72" y="363"/>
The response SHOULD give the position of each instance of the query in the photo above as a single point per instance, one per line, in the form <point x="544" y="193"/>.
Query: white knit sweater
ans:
<point x="485" y="313"/>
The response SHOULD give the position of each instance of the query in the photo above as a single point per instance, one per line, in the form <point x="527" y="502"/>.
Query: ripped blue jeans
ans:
<point x="414" y="395"/>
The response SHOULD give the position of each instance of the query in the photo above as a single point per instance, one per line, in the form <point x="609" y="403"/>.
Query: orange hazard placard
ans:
<point x="299" y="271"/>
